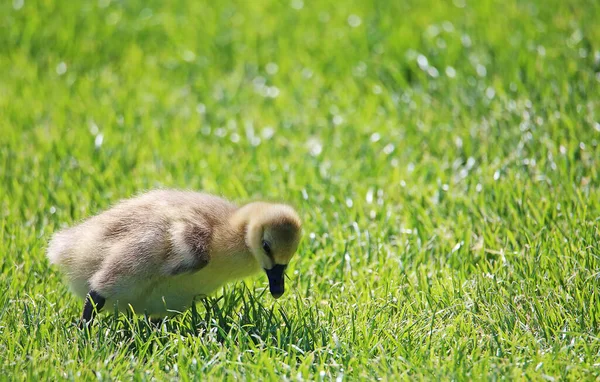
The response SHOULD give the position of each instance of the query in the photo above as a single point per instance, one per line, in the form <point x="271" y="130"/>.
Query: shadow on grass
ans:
<point x="238" y="317"/>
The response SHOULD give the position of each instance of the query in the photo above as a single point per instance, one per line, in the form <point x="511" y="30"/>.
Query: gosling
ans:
<point x="158" y="252"/>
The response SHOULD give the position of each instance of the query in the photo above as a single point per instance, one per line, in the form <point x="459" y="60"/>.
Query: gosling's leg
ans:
<point x="93" y="303"/>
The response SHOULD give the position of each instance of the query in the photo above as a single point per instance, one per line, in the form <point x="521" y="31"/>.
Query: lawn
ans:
<point x="442" y="155"/>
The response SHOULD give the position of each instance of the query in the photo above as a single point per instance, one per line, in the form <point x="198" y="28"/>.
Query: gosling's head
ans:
<point x="272" y="235"/>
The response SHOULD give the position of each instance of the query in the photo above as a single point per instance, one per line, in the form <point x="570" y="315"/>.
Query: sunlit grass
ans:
<point x="443" y="156"/>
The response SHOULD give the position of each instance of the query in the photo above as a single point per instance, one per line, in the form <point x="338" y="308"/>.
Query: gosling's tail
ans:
<point x="58" y="247"/>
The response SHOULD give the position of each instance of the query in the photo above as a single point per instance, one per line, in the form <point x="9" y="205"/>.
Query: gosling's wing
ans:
<point x="168" y="231"/>
<point x="189" y="247"/>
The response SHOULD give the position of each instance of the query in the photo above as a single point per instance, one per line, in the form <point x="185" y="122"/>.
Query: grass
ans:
<point x="443" y="155"/>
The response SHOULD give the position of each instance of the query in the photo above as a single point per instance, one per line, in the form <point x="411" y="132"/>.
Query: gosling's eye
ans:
<point x="266" y="247"/>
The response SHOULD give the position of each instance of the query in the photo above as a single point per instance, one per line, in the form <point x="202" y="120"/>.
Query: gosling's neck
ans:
<point x="229" y="238"/>
<point x="231" y="253"/>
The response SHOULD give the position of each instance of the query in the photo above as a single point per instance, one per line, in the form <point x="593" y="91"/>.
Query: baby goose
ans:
<point x="159" y="251"/>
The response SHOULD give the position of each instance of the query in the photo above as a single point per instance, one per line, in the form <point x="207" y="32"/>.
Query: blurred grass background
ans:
<point x="443" y="156"/>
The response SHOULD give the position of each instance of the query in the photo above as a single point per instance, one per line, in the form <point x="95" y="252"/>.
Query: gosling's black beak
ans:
<point x="276" y="280"/>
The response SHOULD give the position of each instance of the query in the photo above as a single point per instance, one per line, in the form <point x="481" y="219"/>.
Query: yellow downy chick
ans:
<point x="159" y="251"/>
